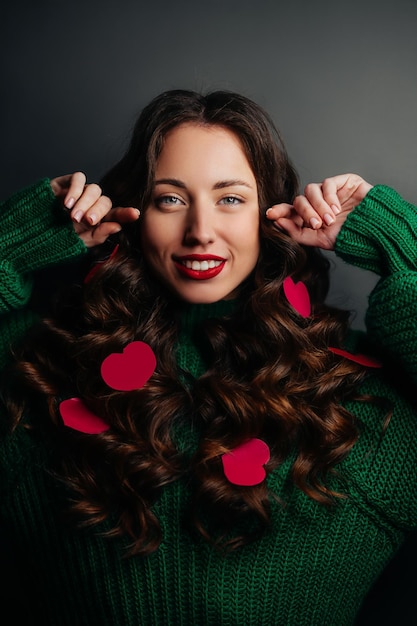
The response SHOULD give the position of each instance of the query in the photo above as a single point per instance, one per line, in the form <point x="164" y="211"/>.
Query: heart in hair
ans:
<point x="244" y="465"/>
<point x="362" y="359"/>
<point x="130" y="369"/>
<point x="77" y="416"/>
<point x="298" y="296"/>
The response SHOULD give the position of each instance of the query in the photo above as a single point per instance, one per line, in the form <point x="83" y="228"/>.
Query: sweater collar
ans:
<point x="191" y="315"/>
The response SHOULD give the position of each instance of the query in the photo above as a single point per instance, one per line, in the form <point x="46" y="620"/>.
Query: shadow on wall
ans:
<point x="349" y="289"/>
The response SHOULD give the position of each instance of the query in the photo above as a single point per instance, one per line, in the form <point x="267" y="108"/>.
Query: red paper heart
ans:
<point x="131" y="369"/>
<point x="245" y="464"/>
<point x="298" y="296"/>
<point x="76" y="415"/>
<point x="362" y="359"/>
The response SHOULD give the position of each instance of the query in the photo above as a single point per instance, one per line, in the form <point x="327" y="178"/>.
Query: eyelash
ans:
<point x="168" y="200"/>
<point x="236" y="200"/>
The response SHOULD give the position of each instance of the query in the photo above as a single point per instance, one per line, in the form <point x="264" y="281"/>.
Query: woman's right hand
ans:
<point x="92" y="213"/>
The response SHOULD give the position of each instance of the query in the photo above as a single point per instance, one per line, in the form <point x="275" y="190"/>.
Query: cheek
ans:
<point x="249" y="236"/>
<point x="151" y="237"/>
<point x="149" y="248"/>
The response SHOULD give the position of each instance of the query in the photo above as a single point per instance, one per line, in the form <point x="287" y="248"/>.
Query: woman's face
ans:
<point x="200" y="233"/>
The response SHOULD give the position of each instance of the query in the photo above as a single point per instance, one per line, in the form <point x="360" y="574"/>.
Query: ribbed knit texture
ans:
<point x="380" y="235"/>
<point x="35" y="233"/>
<point x="312" y="569"/>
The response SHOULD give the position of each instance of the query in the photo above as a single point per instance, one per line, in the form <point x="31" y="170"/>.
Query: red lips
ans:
<point x="199" y="274"/>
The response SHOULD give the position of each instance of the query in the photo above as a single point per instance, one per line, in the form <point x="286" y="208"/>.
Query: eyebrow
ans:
<point x="221" y="184"/>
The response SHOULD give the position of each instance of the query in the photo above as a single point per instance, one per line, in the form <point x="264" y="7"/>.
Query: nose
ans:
<point x="200" y="226"/>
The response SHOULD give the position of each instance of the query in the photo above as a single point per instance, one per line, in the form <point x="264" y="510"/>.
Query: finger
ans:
<point x="285" y="213"/>
<point x="313" y="216"/>
<point x="122" y="215"/>
<point x="318" y="209"/>
<point x="76" y="185"/>
<point x="350" y="189"/>
<point x="306" y="236"/>
<point x="100" y="234"/>
<point x="279" y="210"/>
<point x="332" y="188"/>
<point x="91" y="206"/>
<point x="292" y="226"/>
<point x="60" y="184"/>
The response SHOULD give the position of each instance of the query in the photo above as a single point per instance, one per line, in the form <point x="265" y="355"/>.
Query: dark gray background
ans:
<point x="339" y="79"/>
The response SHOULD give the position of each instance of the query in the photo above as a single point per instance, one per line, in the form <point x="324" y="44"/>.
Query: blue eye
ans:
<point x="230" y="200"/>
<point x="168" y="200"/>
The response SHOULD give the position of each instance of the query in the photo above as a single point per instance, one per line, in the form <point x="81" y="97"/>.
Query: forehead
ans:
<point x="204" y="146"/>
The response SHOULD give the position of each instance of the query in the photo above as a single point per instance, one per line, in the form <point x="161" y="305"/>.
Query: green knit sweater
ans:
<point x="315" y="565"/>
<point x="35" y="234"/>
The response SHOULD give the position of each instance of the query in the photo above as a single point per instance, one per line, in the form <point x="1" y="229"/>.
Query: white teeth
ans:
<point x="201" y="266"/>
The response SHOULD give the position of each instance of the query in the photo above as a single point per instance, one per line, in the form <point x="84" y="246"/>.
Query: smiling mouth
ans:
<point x="199" y="269"/>
<point x="201" y="266"/>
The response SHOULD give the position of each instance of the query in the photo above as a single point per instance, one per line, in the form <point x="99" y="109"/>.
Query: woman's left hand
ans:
<point x="315" y="218"/>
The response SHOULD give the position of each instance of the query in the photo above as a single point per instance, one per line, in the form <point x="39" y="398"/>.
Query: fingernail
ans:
<point x="77" y="217"/>
<point x="70" y="203"/>
<point x="329" y="219"/>
<point x="92" y="218"/>
<point x="335" y="209"/>
<point x="314" y="222"/>
<point x="267" y="211"/>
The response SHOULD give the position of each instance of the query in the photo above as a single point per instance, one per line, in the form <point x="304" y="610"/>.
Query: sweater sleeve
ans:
<point x="380" y="235"/>
<point x="35" y="233"/>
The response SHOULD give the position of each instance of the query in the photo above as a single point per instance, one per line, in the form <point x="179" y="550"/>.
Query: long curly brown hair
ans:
<point x="270" y="373"/>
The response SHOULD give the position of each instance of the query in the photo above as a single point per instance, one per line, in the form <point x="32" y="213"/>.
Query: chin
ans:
<point x="199" y="297"/>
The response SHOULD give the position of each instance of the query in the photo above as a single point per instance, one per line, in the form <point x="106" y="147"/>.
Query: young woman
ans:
<point x="195" y="437"/>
